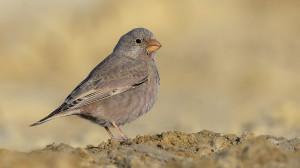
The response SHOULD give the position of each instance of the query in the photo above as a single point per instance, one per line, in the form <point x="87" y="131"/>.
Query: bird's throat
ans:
<point x="151" y="55"/>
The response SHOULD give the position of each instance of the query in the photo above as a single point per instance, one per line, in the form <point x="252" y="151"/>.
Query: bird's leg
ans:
<point x="111" y="135"/>
<point x="120" y="131"/>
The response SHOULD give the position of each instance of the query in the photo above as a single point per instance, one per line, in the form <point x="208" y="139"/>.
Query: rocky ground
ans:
<point x="169" y="149"/>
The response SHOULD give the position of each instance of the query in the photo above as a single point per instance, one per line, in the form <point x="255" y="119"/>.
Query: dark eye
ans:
<point x="138" y="41"/>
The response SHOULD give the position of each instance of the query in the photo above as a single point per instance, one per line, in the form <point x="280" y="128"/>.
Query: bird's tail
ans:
<point x="55" y="114"/>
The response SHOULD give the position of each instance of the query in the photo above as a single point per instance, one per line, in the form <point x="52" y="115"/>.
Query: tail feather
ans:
<point x="53" y="115"/>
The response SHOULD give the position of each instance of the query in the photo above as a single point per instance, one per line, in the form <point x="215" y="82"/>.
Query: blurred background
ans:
<point x="225" y="66"/>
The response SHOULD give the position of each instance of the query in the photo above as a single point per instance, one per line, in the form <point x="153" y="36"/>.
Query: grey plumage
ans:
<point x="121" y="88"/>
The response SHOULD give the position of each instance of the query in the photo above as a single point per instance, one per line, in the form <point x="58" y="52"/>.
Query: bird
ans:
<point x="123" y="87"/>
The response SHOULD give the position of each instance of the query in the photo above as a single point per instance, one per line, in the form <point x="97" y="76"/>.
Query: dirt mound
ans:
<point x="169" y="149"/>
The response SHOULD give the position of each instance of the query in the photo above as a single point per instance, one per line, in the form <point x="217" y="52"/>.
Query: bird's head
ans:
<point x="137" y="44"/>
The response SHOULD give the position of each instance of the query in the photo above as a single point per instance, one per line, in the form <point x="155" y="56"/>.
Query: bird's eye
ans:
<point x="138" y="41"/>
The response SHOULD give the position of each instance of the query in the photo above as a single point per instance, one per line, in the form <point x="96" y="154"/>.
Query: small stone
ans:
<point x="101" y="145"/>
<point x="90" y="146"/>
<point x="246" y="136"/>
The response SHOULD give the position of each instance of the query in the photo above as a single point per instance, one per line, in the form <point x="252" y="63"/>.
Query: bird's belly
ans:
<point x="124" y="107"/>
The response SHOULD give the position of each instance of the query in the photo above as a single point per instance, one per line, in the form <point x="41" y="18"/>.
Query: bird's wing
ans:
<point x="107" y="79"/>
<point x="98" y="86"/>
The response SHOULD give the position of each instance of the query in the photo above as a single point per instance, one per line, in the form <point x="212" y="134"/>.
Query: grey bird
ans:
<point x="120" y="89"/>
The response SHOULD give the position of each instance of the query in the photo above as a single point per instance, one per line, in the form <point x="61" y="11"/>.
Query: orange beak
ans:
<point x="153" y="45"/>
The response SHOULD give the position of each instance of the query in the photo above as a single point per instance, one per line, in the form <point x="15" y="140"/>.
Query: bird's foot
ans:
<point x="125" y="138"/>
<point x="119" y="139"/>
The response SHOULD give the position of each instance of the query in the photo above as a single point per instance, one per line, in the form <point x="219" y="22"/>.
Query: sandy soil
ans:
<point x="168" y="149"/>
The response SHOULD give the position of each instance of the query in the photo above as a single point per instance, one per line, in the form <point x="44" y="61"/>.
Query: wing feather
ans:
<point x="104" y="84"/>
